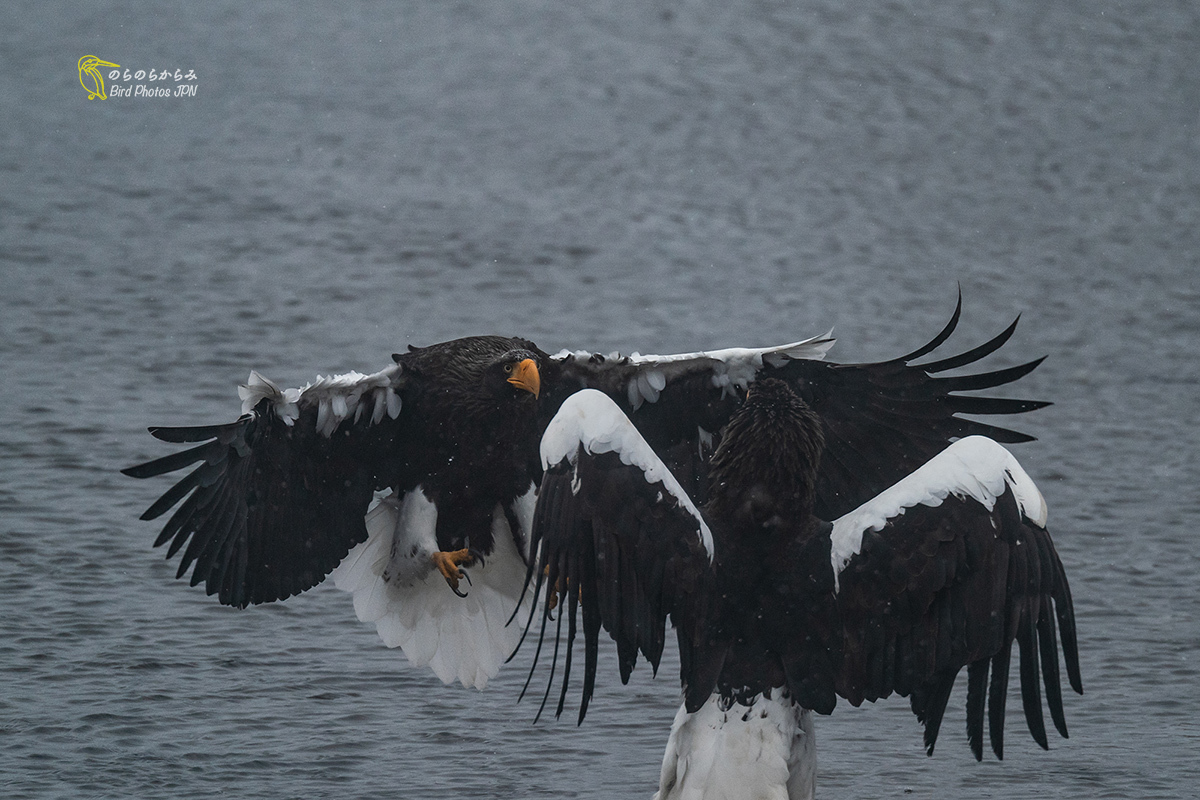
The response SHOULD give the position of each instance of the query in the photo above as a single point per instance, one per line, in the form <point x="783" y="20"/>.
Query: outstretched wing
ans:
<point x="881" y="420"/>
<point x="677" y="402"/>
<point x="884" y="420"/>
<point x="945" y="570"/>
<point x="278" y="497"/>
<point x="621" y="543"/>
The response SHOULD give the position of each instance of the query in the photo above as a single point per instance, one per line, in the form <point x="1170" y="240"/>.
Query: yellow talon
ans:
<point x="450" y="564"/>
<point x="556" y="590"/>
<point x="552" y="594"/>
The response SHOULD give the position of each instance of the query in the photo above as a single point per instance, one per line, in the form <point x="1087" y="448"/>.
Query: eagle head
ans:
<point x="517" y="369"/>
<point x="766" y="464"/>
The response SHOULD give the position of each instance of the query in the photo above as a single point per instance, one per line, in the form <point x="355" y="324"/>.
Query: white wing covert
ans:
<point x="946" y="570"/>
<point x="620" y="541"/>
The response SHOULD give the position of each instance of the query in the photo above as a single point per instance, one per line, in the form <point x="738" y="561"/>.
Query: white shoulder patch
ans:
<point x="256" y="388"/>
<point x="813" y="348"/>
<point x="974" y="467"/>
<point x="589" y="418"/>
<point x="336" y="397"/>
<point x="731" y="367"/>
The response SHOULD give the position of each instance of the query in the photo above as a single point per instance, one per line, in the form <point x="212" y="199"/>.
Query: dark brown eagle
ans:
<point x="780" y="605"/>
<point x="417" y="483"/>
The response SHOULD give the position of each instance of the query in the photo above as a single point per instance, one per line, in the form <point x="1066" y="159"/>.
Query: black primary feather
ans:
<point x="274" y="503"/>
<point x="938" y="588"/>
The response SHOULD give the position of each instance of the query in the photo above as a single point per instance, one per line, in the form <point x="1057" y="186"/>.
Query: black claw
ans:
<point x="476" y="557"/>
<point x="462" y="573"/>
<point x="457" y="592"/>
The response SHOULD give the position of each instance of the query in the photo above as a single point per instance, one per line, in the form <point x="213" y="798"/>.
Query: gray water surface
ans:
<point x="658" y="176"/>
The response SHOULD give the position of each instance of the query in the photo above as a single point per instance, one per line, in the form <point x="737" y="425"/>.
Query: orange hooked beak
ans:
<point x="525" y="376"/>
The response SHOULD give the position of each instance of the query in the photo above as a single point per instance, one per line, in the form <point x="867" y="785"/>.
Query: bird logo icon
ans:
<point x="90" y="77"/>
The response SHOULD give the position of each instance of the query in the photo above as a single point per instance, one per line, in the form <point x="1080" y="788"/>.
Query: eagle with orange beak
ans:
<point x="414" y="487"/>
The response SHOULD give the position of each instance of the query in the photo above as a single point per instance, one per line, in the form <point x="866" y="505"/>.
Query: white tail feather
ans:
<point x="459" y="638"/>
<point x="765" y="750"/>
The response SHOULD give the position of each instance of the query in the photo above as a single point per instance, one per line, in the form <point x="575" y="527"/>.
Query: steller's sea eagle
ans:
<point x="779" y="608"/>
<point x="415" y="485"/>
